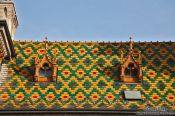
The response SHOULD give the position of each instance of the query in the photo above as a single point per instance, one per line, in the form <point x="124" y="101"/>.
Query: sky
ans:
<point x="96" y="20"/>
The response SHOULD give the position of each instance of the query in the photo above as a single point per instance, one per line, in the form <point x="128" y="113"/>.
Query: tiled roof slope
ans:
<point x="87" y="77"/>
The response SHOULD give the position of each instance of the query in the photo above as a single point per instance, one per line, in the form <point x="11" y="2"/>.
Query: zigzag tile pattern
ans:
<point x="88" y="77"/>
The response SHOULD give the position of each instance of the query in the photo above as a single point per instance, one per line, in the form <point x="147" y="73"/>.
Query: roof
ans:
<point x="88" y="77"/>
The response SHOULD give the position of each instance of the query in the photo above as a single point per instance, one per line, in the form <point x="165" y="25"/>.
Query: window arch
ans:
<point x="46" y="71"/>
<point x="131" y="71"/>
<point x="5" y="12"/>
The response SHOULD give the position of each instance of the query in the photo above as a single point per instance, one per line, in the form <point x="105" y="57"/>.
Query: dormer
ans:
<point x="45" y="68"/>
<point x="131" y="70"/>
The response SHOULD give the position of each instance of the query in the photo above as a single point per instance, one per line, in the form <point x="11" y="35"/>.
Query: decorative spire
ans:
<point x="46" y="43"/>
<point x="131" y="42"/>
<point x="46" y="48"/>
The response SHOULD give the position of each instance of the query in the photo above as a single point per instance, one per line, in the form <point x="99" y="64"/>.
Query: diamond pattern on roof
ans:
<point x="88" y="77"/>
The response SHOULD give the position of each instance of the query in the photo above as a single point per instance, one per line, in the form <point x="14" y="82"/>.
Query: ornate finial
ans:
<point x="46" y="43"/>
<point x="131" y="42"/>
<point x="46" y="38"/>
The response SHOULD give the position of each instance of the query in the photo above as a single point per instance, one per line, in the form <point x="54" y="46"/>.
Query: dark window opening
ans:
<point x="5" y="12"/>
<point x="131" y="71"/>
<point x="46" y="71"/>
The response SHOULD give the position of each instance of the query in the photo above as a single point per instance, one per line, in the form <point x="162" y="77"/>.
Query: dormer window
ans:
<point x="45" y="69"/>
<point x="131" y="70"/>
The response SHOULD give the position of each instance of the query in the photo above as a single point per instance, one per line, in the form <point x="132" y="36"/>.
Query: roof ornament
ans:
<point x="131" y="44"/>
<point x="46" y="48"/>
<point x="46" y="43"/>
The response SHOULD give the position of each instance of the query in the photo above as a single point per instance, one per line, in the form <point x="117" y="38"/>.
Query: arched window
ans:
<point x="131" y="71"/>
<point x="46" y="71"/>
<point x="5" y="12"/>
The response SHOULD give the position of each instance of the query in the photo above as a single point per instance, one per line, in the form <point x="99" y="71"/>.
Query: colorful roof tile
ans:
<point x="88" y="77"/>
